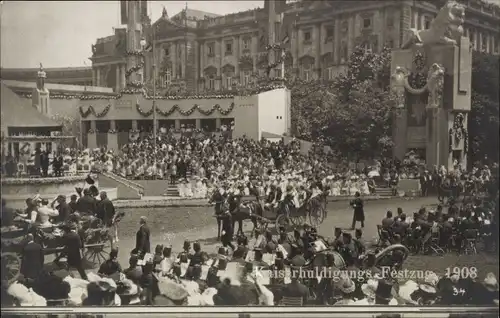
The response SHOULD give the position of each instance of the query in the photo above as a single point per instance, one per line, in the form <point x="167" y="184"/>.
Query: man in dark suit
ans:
<point x="62" y="207"/>
<point x="424" y="183"/>
<point x="87" y="203"/>
<point x="72" y="246"/>
<point x="44" y="161"/>
<point x="105" y="209"/>
<point x="401" y="226"/>
<point x="32" y="259"/>
<point x="359" y="213"/>
<point x="296" y="288"/>
<point x="388" y="221"/>
<point x="142" y="238"/>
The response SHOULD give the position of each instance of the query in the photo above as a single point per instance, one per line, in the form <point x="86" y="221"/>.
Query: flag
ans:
<point x="124" y="12"/>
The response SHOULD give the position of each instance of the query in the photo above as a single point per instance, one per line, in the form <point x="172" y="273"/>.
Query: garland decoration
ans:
<point x="142" y="112"/>
<point x="134" y="69"/>
<point x="188" y="112"/>
<point x="92" y="111"/>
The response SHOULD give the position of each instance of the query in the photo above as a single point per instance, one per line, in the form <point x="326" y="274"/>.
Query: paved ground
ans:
<point x="173" y="225"/>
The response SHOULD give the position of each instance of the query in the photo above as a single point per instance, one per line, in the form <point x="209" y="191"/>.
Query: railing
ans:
<point x="128" y="183"/>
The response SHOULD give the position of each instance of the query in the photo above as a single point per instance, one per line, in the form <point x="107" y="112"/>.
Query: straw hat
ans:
<point x="429" y="284"/>
<point x="347" y="286"/>
<point x="490" y="282"/>
<point x="369" y="288"/>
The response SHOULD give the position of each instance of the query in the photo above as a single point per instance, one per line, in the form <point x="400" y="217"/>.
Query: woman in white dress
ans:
<point x="335" y="191"/>
<point x="354" y="185"/>
<point x="188" y="189"/>
<point x="363" y="186"/>
<point x="181" y="188"/>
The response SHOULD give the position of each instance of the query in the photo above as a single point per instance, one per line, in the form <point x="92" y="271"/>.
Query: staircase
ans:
<point x="126" y="189"/>
<point x="383" y="191"/>
<point x="157" y="188"/>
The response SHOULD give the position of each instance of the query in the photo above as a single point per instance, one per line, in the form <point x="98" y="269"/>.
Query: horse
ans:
<point x="221" y="205"/>
<point x="247" y="210"/>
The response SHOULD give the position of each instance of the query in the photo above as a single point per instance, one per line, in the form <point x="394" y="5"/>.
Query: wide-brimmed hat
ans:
<point x="369" y="288"/>
<point x="490" y="282"/>
<point x="347" y="286"/>
<point x="172" y="290"/>
<point x="430" y="283"/>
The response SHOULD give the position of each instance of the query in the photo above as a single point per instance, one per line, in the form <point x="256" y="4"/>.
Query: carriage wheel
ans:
<point x="316" y="215"/>
<point x="98" y="253"/>
<point x="297" y="220"/>
<point x="11" y="267"/>
<point x="282" y="221"/>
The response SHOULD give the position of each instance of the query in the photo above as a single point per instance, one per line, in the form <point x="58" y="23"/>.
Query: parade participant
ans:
<point x="86" y="204"/>
<point x="63" y="208"/>
<point x="45" y="214"/>
<point x="72" y="246"/>
<point x="358" y="242"/>
<point x="149" y="285"/>
<point x="158" y="256"/>
<point x="227" y="230"/>
<point x="111" y="267"/>
<point x="296" y="258"/>
<point x="359" y="214"/>
<point x="295" y="288"/>
<point x="133" y="272"/>
<point x="242" y="250"/>
<point x="258" y="262"/>
<point x="388" y="221"/>
<point x="105" y="209"/>
<point x="197" y="257"/>
<point x="73" y="203"/>
<point x="142" y="238"/>
<point x="167" y="262"/>
<point x="32" y="260"/>
<point x="348" y="250"/>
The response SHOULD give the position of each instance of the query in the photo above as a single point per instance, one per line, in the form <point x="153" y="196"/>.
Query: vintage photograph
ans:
<point x="339" y="155"/>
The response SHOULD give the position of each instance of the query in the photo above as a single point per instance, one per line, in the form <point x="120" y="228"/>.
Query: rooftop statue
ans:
<point x="446" y="28"/>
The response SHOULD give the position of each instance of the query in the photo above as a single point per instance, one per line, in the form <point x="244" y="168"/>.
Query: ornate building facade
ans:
<point x="199" y="52"/>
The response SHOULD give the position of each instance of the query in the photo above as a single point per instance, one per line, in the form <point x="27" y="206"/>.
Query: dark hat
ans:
<point x="222" y="251"/>
<point x="114" y="252"/>
<point x="158" y="249"/>
<point x="384" y="290"/>
<point x="279" y="254"/>
<point x="358" y="232"/>
<point x="167" y="251"/>
<point x="196" y="246"/>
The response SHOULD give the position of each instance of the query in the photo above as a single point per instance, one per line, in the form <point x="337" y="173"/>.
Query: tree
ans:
<point x="70" y="127"/>
<point x="483" y="123"/>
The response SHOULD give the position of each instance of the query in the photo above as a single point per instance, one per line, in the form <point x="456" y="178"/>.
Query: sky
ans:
<point x="60" y="33"/>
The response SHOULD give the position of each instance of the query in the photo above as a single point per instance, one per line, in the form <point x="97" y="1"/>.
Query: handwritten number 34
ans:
<point x="457" y="291"/>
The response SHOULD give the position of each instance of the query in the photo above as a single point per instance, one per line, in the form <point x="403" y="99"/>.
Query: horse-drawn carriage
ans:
<point x="97" y="242"/>
<point x="282" y="214"/>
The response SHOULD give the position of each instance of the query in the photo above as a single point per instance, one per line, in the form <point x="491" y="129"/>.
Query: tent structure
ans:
<point x="17" y="115"/>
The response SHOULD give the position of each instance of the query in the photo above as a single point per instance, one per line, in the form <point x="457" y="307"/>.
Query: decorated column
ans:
<point x="198" y="123"/>
<point x="112" y="136"/>
<point x="91" y="136"/>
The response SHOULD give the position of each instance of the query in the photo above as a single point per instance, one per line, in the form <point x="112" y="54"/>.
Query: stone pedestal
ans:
<point x="113" y="141"/>
<point x="91" y="140"/>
